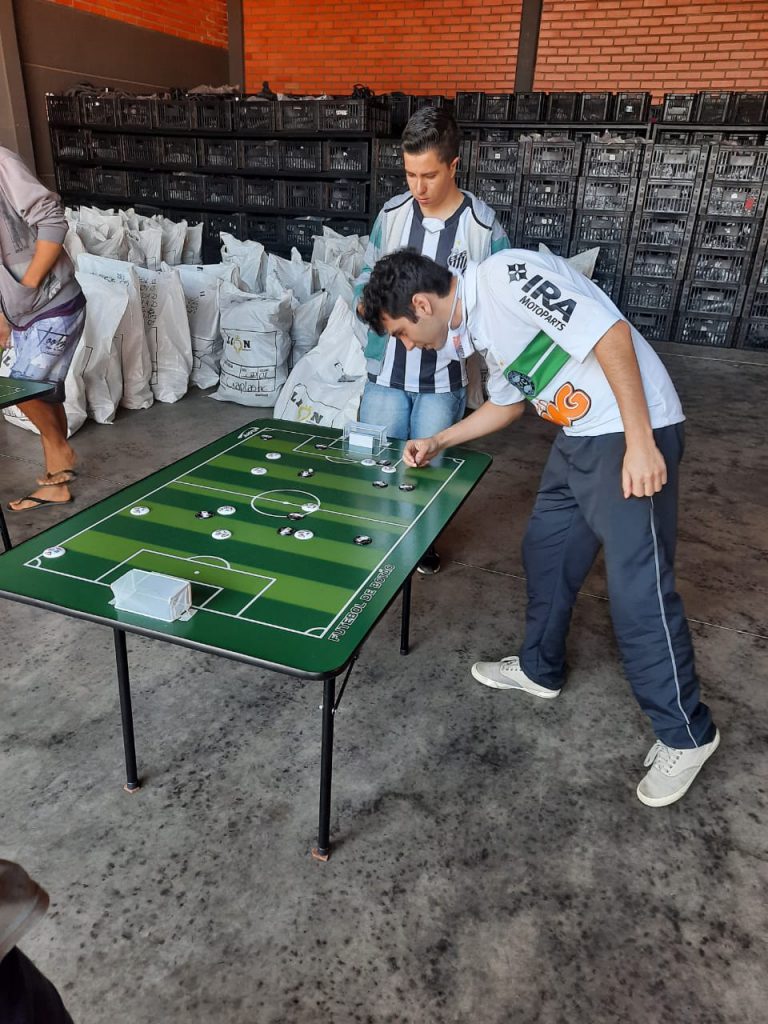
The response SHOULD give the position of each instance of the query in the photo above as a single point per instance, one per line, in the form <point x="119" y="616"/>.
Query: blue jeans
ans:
<point x="407" y="414"/>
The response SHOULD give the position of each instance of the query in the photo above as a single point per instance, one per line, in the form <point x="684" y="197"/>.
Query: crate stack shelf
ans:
<point x="753" y="327"/>
<point x="548" y="185"/>
<point x="495" y="178"/>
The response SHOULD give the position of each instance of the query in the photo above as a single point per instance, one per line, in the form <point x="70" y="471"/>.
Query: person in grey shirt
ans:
<point x="42" y="314"/>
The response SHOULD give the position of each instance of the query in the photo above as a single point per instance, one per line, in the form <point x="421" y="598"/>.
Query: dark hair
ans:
<point x="432" y="128"/>
<point x="394" y="281"/>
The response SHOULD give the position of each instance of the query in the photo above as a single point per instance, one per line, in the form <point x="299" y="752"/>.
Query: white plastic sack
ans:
<point x="325" y="387"/>
<point x="73" y="243"/>
<point x="335" y="282"/>
<point x="309" y="321"/>
<point x="293" y="274"/>
<point x="193" y="245"/>
<point x="201" y="293"/>
<point x="584" y="262"/>
<point x="103" y="241"/>
<point x="74" y="404"/>
<point x="249" y="259"/>
<point x="174" y="236"/>
<point x="167" y="330"/>
<point x="103" y="374"/>
<point x="150" y="240"/>
<point x="107" y="220"/>
<point x="254" y="329"/>
<point x="136" y="363"/>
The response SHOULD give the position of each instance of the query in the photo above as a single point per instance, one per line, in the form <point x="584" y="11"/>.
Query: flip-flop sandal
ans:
<point x="37" y="503"/>
<point x="48" y="481"/>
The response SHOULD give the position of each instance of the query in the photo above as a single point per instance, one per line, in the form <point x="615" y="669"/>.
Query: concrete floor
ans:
<point x="492" y="863"/>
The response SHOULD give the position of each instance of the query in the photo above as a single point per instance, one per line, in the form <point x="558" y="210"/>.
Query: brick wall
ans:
<point x="659" y="45"/>
<point x="307" y="45"/>
<point x="202" y="21"/>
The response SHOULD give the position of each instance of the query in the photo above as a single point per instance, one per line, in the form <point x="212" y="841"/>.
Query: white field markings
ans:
<point x="317" y="632"/>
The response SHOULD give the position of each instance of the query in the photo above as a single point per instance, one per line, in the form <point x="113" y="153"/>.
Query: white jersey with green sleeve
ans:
<point x="537" y="320"/>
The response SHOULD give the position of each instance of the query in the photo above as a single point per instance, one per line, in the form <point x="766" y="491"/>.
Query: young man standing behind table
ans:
<point x="417" y="393"/>
<point x="42" y="313"/>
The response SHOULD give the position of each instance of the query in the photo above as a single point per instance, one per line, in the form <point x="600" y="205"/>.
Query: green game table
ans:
<point x="14" y="391"/>
<point x="266" y="594"/>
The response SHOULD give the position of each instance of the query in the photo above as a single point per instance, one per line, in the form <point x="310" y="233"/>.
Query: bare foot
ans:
<point x="51" y="494"/>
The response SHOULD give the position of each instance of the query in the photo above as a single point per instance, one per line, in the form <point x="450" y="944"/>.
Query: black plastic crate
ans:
<point x="563" y="106"/>
<point x="261" y="193"/>
<point x="712" y="299"/>
<point x="267" y="230"/>
<point x="218" y="154"/>
<point x="679" y="107"/>
<point x="231" y="223"/>
<point x="675" y="162"/>
<point x="178" y="151"/>
<point x="650" y="293"/>
<point x="430" y="101"/>
<point x="609" y="283"/>
<point x="145" y="185"/>
<point x="258" y="154"/>
<point x="763" y="272"/>
<point x="739" y="163"/>
<point x="669" y="197"/>
<point x="99" y="109"/>
<point x="349" y="227"/>
<point x="497" y="106"/>
<point x="297" y="115"/>
<point x="172" y="114"/>
<point x="300" y="232"/>
<point x="345" y="196"/>
<point x="718" y="267"/>
<point x="726" y="234"/>
<point x="706" y="330"/>
<point x="340" y="155"/>
<point x="660" y="264"/>
<point x="713" y="107"/>
<point x="663" y="230"/>
<point x="754" y="334"/>
<point x="141" y="150"/>
<point x="62" y="110"/>
<point x="497" y="192"/>
<point x="401" y="106"/>
<point x="300" y="156"/>
<point x="632" y="107"/>
<point x="731" y="199"/>
<point x="221" y="190"/>
<point x="544" y="225"/>
<point x="389" y="154"/>
<point x="595" y="107"/>
<point x="70" y="144"/>
<point x="497" y="135"/>
<point x="508" y="221"/>
<point x="602" y="194"/>
<point x="468" y="106"/>
<point x="748" y="107"/>
<point x="497" y="159"/>
<point x="108" y="181"/>
<point x="611" y="160"/>
<point x="351" y="115"/>
<point x="74" y="180"/>
<point x="610" y="259"/>
<point x="709" y="138"/>
<point x="254" y="115"/>
<point x="599" y="228"/>
<point x="552" y="159"/>
<point x="134" y="112"/>
<point x="529" y="106"/>
<point x="302" y="195"/>
<point x="188" y="189"/>
<point x="211" y="113"/>
<point x="675" y="138"/>
<point x="653" y="326"/>
<point x="106" y="147"/>
<point x="559" y="193"/>
<point x="385" y="186"/>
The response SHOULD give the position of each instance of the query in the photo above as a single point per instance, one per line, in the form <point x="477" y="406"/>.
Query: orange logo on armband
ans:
<point x="569" y="405"/>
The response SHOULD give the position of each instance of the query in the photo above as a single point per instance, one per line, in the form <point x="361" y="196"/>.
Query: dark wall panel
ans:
<point x="60" y="47"/>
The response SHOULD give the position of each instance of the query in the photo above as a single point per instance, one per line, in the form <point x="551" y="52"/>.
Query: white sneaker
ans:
<point x="672" y="771"/>
<point x="507" y="675"/>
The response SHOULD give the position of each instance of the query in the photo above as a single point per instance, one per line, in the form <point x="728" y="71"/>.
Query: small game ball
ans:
<point x="295" y="515"/>
<point x="310" y="506"/>
<point x="303" y="535"/>
<point x="139" y="510"/>
<point x="221" y="534"/>
<point x="380" y="483"/>
<point x="54" y="552"/>
<point x="321" y="447"/>
<point x="363" y="539"/>
<point x="273" y="455"/>
<point x="368" y="462"/>
<point x="285" y="531"/>
<point x="226" y="510"/>
<point x="307" y="472"/>
<point x="384" y="462"/>
<point x="258" y="470"/>
<point x="407" y="487"/>
<point x="388" y="469"/>
<point x="203" y="515"/>
<point x="267" y="437"/>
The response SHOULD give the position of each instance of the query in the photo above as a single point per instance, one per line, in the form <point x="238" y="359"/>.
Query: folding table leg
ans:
<point x="323" y="849"/>
<point x="126" y="711"/>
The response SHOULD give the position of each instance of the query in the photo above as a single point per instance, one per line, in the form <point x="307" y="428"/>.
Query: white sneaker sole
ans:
<point x="665" y="801"/>
<point x="496" y="685"/>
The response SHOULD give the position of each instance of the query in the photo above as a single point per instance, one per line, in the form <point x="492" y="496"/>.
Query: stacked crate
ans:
<point x="753" y="330"/>
<point x="728" y="231"/>
<point x="605" y="201"/>
<point x="548" y="185"/>
<point x="495" y="178"/>
<point x="661" y="234"/>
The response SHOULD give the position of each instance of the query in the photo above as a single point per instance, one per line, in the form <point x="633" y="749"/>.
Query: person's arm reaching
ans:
<point x="486" y="420"/>
<point x="644" y="472"/>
